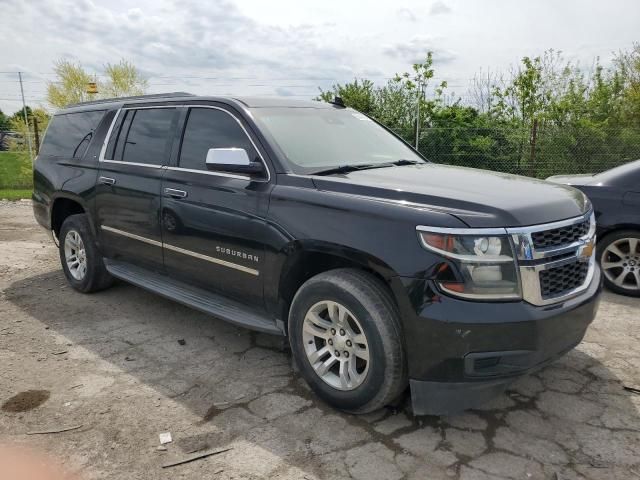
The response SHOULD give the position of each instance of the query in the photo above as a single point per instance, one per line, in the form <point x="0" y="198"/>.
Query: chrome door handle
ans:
<point x="107" y="180"/>
<point x="173" y="193"/>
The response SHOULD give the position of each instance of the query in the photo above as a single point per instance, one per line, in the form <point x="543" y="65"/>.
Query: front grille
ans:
<point x="560" y="236"/>
<point x="559" y="280"/>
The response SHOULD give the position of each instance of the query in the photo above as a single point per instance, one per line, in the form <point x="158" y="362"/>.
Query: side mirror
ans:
<point x="235" y="160"/>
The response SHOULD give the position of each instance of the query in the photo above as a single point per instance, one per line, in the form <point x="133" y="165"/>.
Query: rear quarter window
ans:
<point x="69" y="134"/>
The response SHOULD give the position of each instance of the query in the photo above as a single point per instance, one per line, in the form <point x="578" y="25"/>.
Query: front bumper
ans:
<point x="461" y="353"/>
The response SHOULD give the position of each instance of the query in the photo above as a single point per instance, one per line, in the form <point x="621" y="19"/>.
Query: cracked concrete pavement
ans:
<point x="112" y="363"/>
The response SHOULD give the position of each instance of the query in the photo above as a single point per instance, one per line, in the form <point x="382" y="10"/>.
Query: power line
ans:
<point x="262" y="78"/>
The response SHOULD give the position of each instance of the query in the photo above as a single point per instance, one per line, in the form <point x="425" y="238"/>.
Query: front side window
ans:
<point x="144" y="136"/>
<point x="210" y="128"/>
<point x="314" y="139"/>
<point x="68" y="134"/>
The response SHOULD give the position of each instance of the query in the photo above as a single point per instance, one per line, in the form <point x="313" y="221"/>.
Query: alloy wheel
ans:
<point x="621" y="263"/>
<point x="336" y="345"/>
<point x="75" y="255"/>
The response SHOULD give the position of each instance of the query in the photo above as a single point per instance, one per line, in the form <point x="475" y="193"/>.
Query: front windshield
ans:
<point x="315" y="139"/>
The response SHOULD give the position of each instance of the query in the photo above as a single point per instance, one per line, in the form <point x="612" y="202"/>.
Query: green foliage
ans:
<point x="15" y="170"/>
<point x="584" y="123"/>
<point x="124" y="79"/>
<point x="628" y="64"/>
<point x="70" y="86"/>
<point x="14" y="194"/>
<point x="4" y="121"/>
<point x="396" y="103"/>
<point x="358" y="94"/>
<point x="16" y="124"/>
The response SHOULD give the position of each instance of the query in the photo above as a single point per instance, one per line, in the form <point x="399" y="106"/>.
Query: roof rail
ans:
<point x="136" y="97"/>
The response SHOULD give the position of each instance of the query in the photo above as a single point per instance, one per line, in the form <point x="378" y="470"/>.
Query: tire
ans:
<point x="621" y="270"/>
<point x="367" y="308"/>
<point x="90" y="274"/>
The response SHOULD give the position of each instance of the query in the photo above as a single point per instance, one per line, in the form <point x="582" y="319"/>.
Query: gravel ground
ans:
<point x="114" y="364"/>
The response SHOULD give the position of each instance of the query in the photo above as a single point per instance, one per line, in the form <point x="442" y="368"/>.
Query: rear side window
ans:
<point x="144" y="136"/>
<point x="69" y="134"/>
<point x="210" y="128"/>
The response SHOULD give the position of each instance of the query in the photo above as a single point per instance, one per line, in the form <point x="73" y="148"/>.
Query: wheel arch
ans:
<point x="305" y="259"/>
<point x="616" y="228"/>
<point x="65" y="204"/>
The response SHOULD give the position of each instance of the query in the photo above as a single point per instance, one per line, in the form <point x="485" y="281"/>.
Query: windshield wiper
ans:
<point x="404" y="161"/>
<point x="364" y="166"/>
<point x="348" y="168"/>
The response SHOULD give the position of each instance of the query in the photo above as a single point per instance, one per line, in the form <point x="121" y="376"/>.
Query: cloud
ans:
<point x="186" y="35"/>
<point x="406" y="14"/>
<point x="284" y="92"/>
<point x="415" y="50"/>
<point x="439" y="8"/>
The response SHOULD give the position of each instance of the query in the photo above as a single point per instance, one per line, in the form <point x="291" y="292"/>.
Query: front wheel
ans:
<point x="619" y="254"/>
<point x="345" y="336"/>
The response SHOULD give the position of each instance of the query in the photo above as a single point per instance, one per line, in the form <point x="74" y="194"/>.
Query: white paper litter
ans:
<point x="165" y="438"/>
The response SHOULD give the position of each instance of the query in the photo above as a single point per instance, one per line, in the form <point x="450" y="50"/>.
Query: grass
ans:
<point x="15" y="171"/>
<point x="14" y="194"/>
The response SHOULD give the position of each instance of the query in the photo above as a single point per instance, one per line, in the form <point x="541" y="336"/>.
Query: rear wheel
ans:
<point x="619" y="254"/>
<point x="345" y="336"/>
<point x="81" y="261"/>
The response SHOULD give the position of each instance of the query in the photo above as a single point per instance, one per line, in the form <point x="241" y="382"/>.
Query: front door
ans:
<point x="214" y="223"/>
<point x="129" y="182"/>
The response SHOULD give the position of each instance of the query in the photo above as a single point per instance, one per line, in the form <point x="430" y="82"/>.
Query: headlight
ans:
<point x="481" y="266"/>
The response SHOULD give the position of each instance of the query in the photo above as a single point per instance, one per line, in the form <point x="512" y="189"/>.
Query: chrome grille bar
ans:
<point x="532" y="260"/>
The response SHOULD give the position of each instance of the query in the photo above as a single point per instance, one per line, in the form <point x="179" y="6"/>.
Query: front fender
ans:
<point x="386" y="232"/>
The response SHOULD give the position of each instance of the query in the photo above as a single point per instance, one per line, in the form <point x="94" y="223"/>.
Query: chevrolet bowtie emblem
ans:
<point x="586" y="251"/>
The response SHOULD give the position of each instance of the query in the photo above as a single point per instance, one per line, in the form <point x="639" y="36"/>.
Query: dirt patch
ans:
<point x="211" y="414"/>
<point x="25" y="401"/>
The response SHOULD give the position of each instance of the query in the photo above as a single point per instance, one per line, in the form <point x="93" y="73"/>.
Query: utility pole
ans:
<point x="418" y="113"/>
<point x="36" y="134"/>
<point x="26" y="119"/>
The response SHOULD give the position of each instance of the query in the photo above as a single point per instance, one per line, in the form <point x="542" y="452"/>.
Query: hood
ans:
<point x="479" y="198"/>
<point x="580" y="179"/>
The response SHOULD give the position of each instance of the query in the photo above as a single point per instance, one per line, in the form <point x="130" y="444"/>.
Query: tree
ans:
<point x="585" y="120"/>
<point x="628" y="65"/>
<point x="396" y="103"/>
<point x="121" y="79"/>
<point x="70" y="85"/>
<point x="16" y="124"/>
<point x="124" y="79"/>
<point x="4" y="122"/>
<point x="359" y="94"/>
<point x="4" y="127"/>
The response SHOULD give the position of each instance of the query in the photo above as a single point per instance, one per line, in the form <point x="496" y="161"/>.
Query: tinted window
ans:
<point x="69" y="134"/>
<point x="145" y="136"/>
<point x="115" y="134"/>
<point x="120" y="135"/>
<point x="210" y="128"/>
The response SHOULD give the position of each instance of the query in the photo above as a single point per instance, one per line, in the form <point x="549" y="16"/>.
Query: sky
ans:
<point x="293" y="47"/>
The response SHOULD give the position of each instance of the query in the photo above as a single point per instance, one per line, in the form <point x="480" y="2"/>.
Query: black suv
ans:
<point x="311" y="220"/>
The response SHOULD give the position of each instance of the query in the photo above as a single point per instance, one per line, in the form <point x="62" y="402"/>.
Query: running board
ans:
<point x="197" y="298"/>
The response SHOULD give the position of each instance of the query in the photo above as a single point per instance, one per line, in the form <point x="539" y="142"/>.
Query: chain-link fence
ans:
<point x="17" y="141"/>
<point x="536" y="152"/>
<point x="539" y="152"/>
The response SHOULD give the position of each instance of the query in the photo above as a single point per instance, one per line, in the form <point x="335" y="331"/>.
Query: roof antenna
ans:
<point x="337" y="101"/>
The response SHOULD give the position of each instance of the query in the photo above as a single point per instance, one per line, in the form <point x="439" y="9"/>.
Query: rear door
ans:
<point x="214" y="227"/>
<point x="128" y="189"/>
